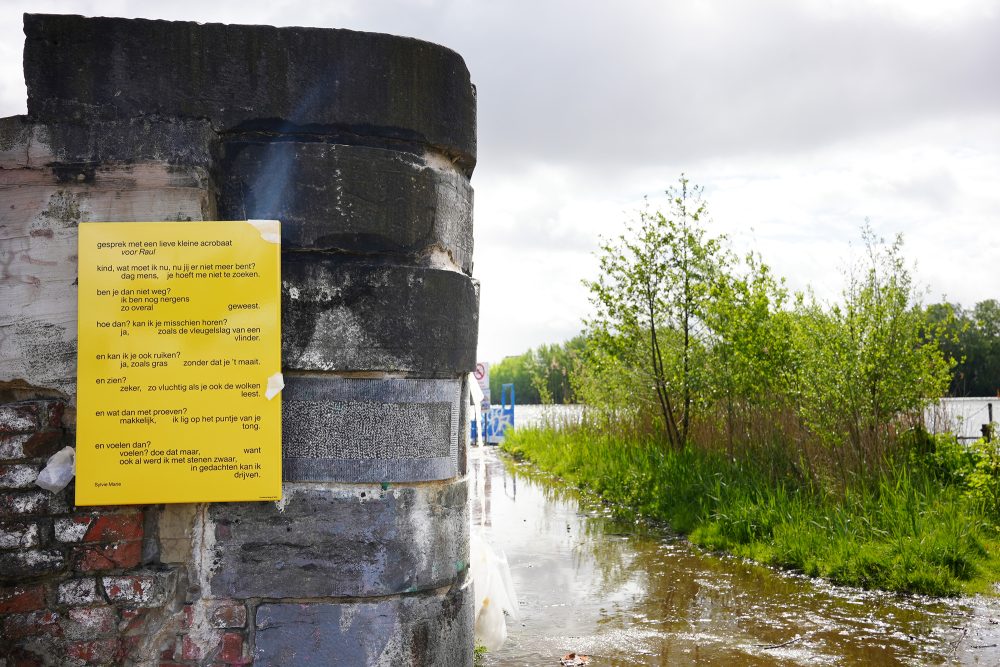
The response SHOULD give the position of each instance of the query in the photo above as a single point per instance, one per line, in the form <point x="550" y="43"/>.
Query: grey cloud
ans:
<point x="603" y="86"/>
<point x="935" y="188"/>
<point x="635" y="83"/>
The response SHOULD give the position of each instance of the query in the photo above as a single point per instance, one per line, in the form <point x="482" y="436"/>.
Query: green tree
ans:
<point x="871" y="358"/>
<point x="650" y="299"/>
<point x="752" y="347"/>
<point x="553" y="367"/>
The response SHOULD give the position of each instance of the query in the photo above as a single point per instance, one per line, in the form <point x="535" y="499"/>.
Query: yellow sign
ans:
<point x="179" y="362"/>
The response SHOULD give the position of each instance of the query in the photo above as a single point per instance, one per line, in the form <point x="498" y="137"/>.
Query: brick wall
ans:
<point x="75" y="587"/>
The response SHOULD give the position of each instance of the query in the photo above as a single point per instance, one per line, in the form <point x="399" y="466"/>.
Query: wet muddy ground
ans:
<point x="629" y="593"/>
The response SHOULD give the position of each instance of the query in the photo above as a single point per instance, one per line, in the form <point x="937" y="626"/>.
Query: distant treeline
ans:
<point x="972" y="339"/>
<point x="543" y="375"/>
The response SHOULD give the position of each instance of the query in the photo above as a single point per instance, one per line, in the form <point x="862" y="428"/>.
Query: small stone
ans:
<point x="12" y="446"/>
<point x="79" y="592"/>
<point x="18" y="475"/>
<point x="30" y="562"/>
<point x="18" y="535"/>
<point x="72" y="529"/>
<point x="19" y="417"/>
<point x="139" y="590"/>
<point x="17" y="503"/>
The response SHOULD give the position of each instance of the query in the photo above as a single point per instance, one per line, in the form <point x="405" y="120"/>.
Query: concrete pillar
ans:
<point x="362" y="145"/>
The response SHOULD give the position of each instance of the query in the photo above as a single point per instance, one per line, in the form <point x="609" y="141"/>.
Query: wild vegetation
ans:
<point x="772" y="425"/>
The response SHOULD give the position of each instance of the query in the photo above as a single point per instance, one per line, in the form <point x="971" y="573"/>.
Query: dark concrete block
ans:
<point x="351" y="199"/>
<point x="418" y="630"/>
<point x="74" y="152"/>
<point x="351" y="541"/>
<point x="252" y="78"/>
<point x="341" y="315"/>
<point x="370" y="430"/>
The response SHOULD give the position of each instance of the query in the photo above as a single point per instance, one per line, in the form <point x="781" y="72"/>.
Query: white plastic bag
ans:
<point x="58" y="471"/>
<point x="493" y="591"/>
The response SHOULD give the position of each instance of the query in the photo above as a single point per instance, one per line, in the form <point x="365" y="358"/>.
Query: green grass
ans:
<point x="902" y="530"/>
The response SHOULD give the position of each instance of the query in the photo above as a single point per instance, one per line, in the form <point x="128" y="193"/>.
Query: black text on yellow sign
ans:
<point x="179" y="362"/>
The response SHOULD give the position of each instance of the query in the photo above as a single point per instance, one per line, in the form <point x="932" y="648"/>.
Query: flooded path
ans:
<point x="628" y="593"/>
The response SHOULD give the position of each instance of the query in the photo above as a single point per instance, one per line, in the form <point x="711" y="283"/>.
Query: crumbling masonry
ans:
<point x="362" y="145"/>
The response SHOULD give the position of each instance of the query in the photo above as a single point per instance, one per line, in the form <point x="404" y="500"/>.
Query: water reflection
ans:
<point x="628" y="593"/>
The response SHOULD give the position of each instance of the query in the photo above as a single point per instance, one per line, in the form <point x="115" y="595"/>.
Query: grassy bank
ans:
<point x="913" y="527"/>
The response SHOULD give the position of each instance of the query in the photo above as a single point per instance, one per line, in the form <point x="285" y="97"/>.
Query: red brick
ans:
<point x="94" y="510"/>
<point x="89" y="622"/>
<point x="168" y="650"/>
<point x="128" y="646"/>
<point x="190" y="650"/>
<point x="19" y="626"/>
<point x="19" y="599"/>
<point x="229" y="616"/>
<point x="109" y="557"/>
<point x="115" y="528"/>
<point x="96" y="652"/>
<point x="53" y="416"/>
<point x="43" y="445"/>
<point x="135" y="589"/>
<point x="232" y="649"/>
<point x="133" y="620"/>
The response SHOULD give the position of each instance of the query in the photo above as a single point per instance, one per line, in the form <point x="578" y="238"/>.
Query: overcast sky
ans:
<point x="800" y="118"/>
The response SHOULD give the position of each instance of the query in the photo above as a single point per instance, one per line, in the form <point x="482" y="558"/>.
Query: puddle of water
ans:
<point x="628" y="593"/>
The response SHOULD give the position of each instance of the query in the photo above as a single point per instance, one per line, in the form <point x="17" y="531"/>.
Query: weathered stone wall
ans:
<point x="362" y="145"/>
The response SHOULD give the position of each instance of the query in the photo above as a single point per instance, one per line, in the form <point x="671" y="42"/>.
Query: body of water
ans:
<point x="629" y="593"/>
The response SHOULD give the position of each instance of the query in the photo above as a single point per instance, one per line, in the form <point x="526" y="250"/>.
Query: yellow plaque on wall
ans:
<point x="179" y="362"/>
